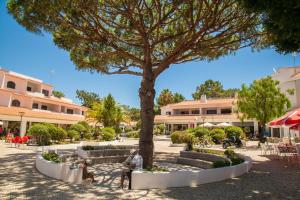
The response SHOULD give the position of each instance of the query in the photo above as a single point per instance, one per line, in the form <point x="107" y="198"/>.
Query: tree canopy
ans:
<point x="87" y="98"/>
<point x="280" y="19"/>
<point x="213" y="89"/>
<point x="141" y="38"/>
<point x="262" y="101"/>
<point x="58" y="94"/>
<point x="167" y="97"/>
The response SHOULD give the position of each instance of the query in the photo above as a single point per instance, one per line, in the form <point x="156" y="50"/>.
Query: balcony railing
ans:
<point x="200" y="114"/>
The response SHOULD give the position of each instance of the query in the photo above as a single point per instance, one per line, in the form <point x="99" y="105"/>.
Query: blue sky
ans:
<point x="37" y="56"/>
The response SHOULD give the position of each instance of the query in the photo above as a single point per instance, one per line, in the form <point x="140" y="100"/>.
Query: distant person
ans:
<point x="4" y="132"/>
<point x="1" y="131"/>
<point x="86" y="174"/>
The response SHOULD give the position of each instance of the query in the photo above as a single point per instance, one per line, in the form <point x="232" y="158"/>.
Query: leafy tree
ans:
<point x="95" y="113"/>
<point x="58" y="94"/>
<point x="109" y="111"/>
<point x="231" y="92"/>
<point x="209" y="88"/>
<point x="280" y="19"/>
<point x="141" y="38"/>
<point x="165" y="98"/>
<point x="213" y="89"/>
<point x="132" y="113"/>
<point x="87" y="98"/>
<point x="262" y="101"/>
<point x="177" y="97"/>
<point x="106" y="112"/>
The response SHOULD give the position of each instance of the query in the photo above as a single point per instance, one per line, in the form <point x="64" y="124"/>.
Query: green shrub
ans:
<point x="217" y="135"/>
<point x="233" y="157"/>
<point x="234" y="131"/>
<point x="218" y="164"/>
<point x="159" y="129"/>
<point x="41" y="133"/>
<point x="229" y="153"/>
<point x="52" y="157"/>
<point x="79" y="128"/>
<point x="210" y="151"/>
<point x="88" y="136"/>
<point x="176" y="137"/>
<point x="180" y="137"/>
<point x="200" y="132"/>
<point x="96" y="132"/>
<point x="72" y="134"/>
<point x="133" y="134"/>
<point x="108" y="134"/>
<point x="109" y="129"/>
<point x="56" y="133"/>
<point x="128" y="129"/>
<point x="88" y="148"/>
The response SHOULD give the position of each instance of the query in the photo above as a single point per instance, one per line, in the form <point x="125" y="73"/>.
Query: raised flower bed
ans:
<point x="182" y="178"/>
<point x="55" y="168"/>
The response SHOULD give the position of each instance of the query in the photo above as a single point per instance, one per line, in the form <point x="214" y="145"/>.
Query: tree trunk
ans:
<point x="147" y="94"/>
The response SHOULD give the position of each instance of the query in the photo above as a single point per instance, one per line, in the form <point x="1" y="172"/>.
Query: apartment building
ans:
<point x="25" y="99"/>
<point x="190" y="114"/>
<point x="289" y="84"/>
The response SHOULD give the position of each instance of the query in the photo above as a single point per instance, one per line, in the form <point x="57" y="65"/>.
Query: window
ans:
<point x="211" y="112"/>
<point x="82" y="112"/>
<point x="168" y="113"/>
<point x="35" y="105"/>
<point x="195" y="112"/>
<point x="45" y="92"/>
<point x="226" y="111"/>
<point x="43" y="107"/>
<point x="184" y="112"/>
<point x="29" y="89"/>
<point x="70" y="111"/>
<point x="11" y="85"/>
<point x="15" y="103"/>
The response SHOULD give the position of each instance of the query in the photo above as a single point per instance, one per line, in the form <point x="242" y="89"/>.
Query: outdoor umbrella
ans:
<point x="207" y="124"/>
<point x="223" y="124"/>
<point x="289" y="119"/>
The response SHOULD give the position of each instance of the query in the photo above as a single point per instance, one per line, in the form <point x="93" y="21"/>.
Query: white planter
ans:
<point x="60" y="171"/>
<point x="183" y="178"/>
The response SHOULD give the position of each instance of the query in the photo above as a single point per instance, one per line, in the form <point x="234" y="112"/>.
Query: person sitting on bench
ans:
<point x="86" y="174"/>
<point x="129" y="166"/>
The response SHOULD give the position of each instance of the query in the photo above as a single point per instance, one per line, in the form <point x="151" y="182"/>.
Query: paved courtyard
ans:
<point x="268" y="179"/>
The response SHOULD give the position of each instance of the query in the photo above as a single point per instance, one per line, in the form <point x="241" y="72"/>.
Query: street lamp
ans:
<point x="203" y="119"/>
<point x="21" y="115"/>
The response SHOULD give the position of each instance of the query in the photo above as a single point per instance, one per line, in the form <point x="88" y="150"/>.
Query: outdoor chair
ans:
<point x="267" y="149"/>
<point x="287" y="152"/>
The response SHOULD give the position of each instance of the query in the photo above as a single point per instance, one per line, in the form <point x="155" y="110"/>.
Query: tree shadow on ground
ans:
<point x="271" y="179"/>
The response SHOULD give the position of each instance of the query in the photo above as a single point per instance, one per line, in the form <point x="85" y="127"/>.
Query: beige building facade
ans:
<point x="25" y="99"/>
<point x="190" y="114"/>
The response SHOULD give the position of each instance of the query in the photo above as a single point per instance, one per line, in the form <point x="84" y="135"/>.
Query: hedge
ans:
<point x="217" y="135"/>
<point x="234" y="131"/>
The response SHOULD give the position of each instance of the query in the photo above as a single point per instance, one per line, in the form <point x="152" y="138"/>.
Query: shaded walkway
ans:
<point x="20" y="180"/>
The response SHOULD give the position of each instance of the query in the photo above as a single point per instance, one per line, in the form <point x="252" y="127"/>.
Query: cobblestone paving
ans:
<point x="268" y="179"/>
